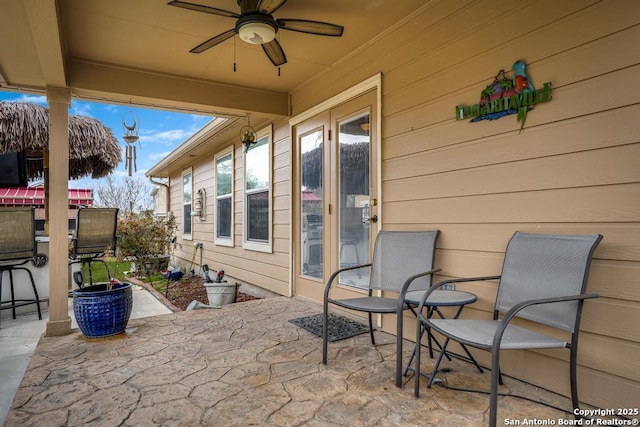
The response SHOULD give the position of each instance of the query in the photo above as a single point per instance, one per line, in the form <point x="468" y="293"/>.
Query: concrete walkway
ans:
<point x="245" y="364"/>
<point x="19" y="338"/>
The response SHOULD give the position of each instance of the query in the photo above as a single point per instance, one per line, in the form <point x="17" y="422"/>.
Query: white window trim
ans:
<point x="189" y="236"/>
<point x="223" y="241"/>
<point x="247" y="244"/>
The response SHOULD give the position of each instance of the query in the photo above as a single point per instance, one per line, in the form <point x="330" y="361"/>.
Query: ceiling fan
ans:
<point x="255" y="24"/>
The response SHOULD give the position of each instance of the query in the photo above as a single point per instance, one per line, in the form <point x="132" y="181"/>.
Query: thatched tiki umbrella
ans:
<point x="93" y="150"/>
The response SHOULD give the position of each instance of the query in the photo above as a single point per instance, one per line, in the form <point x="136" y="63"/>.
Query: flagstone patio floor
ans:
<point x="246" y="364"/>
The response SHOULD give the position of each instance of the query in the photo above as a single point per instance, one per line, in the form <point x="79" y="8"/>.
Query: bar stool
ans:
<point x="17" y="247"/>
<point x="95" y="236"/>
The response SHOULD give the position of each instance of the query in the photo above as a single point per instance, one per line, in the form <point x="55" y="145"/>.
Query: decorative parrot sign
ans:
<point x="506" y="96"/>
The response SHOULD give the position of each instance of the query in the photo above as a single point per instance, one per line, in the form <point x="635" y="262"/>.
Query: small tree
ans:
<point x="144" y="239"/>
<point x="127" y="194"/>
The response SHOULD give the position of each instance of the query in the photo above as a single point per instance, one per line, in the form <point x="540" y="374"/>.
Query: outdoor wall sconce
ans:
<point x="247" y="135"/>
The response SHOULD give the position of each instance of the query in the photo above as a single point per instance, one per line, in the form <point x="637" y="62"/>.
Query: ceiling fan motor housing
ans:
<point x="256" y="28"/>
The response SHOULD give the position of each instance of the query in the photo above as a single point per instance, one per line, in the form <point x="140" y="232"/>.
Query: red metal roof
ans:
<point x="34" y="196"/>
<point x="308" y="196"/>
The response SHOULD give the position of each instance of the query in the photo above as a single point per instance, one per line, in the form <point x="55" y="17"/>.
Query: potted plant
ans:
<point x="101" y="309"/>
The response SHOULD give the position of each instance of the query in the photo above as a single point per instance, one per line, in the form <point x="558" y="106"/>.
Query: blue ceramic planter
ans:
<point x="102" y="313"/>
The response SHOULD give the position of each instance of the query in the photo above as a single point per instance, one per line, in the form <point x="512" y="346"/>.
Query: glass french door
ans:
<point x="335" y="201"/>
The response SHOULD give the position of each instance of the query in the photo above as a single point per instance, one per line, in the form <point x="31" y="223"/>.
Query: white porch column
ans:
<point x="59" y="99"/>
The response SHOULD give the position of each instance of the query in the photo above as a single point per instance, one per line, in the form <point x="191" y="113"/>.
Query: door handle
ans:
<point x="373" y="218"/>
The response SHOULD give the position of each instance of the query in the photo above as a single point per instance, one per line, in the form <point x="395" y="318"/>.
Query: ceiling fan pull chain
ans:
<point x="234" y="55"/>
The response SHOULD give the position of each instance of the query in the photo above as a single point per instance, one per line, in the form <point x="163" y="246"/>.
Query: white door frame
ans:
<point x="375" y="83"/>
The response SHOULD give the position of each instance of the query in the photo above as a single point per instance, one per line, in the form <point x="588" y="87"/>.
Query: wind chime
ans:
<point x="130" y="137"/>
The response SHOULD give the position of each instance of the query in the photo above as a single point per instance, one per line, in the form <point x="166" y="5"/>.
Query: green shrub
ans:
<point x="143" y="238"/>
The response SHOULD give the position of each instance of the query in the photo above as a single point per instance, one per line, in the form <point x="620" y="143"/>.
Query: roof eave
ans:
<point x="209" y="131"/>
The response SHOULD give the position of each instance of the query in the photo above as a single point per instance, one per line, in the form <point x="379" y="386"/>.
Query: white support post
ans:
<point x="59" y="99"/>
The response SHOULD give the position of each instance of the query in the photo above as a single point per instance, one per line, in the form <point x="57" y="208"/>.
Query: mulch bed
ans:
<point x="181" y="293"/>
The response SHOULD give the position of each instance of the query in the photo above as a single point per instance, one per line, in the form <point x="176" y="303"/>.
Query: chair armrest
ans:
<point x="504" y="322"/>
<point x="445" y="282"/>
<point x="335" y="274"/>
<point x="407" y="283"/>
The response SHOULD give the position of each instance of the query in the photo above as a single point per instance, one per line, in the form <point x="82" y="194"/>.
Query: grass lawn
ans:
<point x="116" y="269"/>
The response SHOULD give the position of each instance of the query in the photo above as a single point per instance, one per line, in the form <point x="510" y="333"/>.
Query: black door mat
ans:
<point x="340" y="327"/>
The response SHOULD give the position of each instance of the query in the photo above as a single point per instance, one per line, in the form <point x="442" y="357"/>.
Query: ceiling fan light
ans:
<point x="257" y="32"/>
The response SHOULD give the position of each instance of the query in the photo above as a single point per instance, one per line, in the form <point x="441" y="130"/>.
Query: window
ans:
<point x="187" y="192"/>
<point x="257" y="190"/>
<point x="224" y="198"/>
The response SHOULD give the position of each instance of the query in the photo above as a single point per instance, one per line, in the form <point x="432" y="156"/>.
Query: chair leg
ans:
<point x="106" y="266"/>
<point x="573" y="376"/>
<point x="413" y="353"/>
<point x="373" y="341"/>
<point x="35" y="292"/>
<point x="416" y="351"/>
<point x="496" y="378"/>
<point x="1" y="274"/>
<point x="437" y="365"/>
<point x="90" y="273"/>
<point x="399" y="336"/>
<point x="325" y="330"/>
<point x="82" y="270"/>
<point x="430" y="337"/>
<point x="13" y="296"/>
<point x="473" y="360"/>
<point x="12" y="289"/>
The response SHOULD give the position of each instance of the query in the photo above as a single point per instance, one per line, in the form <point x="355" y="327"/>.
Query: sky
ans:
<point x="160" y="131"/>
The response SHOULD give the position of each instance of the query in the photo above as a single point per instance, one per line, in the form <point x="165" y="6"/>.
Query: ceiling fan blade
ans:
<point x="247" y="5"/>
<point x="270" y="6"/>
<point x="201" y="8"/>
<point x="213" y="41"/>
<point x="311" y="27"/>
<point x="274" y="52"/>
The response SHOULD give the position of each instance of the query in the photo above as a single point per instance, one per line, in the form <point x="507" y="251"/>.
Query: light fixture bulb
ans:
<point x="257" y="32"/>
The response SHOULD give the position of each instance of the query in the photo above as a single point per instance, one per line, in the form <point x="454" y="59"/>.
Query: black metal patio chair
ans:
<point x="543" y="280"/>
<point x="95" y="236"/>
<point x="402" y="262"/>
<point x="18" y="246"/>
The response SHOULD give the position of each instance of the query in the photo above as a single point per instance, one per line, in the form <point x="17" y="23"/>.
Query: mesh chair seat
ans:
<point x="369" y="304"/>
<point x="480" y="333"/>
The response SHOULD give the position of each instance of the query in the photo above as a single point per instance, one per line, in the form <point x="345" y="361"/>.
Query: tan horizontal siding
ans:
<point x="621" y="88"/>
<point x="572" y="170"/>
<point x="611" y="203"/>
<point x="435" y="154"/>
<point x="595" y="386"/>
<point x="548" y="51"/>
<point x="597" y="167"/>
<point x="267" y="270"/>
